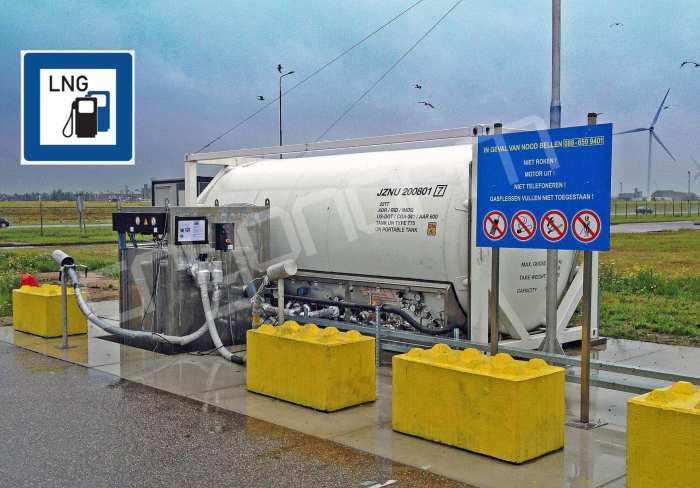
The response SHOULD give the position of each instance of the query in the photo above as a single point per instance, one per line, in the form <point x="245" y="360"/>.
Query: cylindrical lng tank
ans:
<point x="390" y="214"/>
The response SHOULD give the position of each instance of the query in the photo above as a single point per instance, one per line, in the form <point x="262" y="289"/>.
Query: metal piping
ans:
<point x="384" y="308"/>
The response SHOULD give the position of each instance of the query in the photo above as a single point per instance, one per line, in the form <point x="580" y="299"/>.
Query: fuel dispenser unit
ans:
<point x="198" y="272"/>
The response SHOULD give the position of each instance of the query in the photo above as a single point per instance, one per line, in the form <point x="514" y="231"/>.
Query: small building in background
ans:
<point x="636" y="195"/>
<point x="673" y="195"/>
<point x="171" y="192"/>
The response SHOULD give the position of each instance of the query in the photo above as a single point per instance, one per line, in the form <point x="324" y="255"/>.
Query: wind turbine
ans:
<point x="652" y="135"/>
<point x="697" y="173"/>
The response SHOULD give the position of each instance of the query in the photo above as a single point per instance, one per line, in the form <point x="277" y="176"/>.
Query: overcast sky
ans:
<point x="200" y="66"/>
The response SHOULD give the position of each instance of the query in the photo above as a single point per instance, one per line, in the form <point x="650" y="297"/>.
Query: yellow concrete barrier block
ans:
<point x="498" y="406"/>
<point x="323" y="369"/>
<point x="37" y="310"/>
<point x="663" y="433"/>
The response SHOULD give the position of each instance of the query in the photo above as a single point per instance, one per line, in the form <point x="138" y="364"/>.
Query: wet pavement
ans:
<point x="64" y="425"/>
<point x="211" y="388"/>
<point x="642" y="227"/>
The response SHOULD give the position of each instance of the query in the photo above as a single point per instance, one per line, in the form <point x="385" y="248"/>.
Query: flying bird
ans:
<point x="697" y="65"/>
<point x="279" y="68"/>
<point x="666" y="107"/>
<point x="616" y="24"/>
<point x="427" y="104"/>
<point x="261" y="98"/>
<point x="418" y="86"/>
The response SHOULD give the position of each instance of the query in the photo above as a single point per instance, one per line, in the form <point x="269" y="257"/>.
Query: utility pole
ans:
<point x="555" y="105"/>
<point x="279" y="68"/>
<point x="620" y="190"/>
<point x="551" y="342"/>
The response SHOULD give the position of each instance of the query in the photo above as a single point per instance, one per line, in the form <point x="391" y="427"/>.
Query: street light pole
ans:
<point x="551" y="342"/>
<point x="280" y="103"/>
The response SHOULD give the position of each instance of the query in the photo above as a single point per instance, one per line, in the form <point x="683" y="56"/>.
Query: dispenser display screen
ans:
<point x="191" y="230"/>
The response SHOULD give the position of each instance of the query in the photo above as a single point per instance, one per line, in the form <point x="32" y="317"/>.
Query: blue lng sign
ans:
<point x="77" y="107"/>
<point x="545" y="189"/>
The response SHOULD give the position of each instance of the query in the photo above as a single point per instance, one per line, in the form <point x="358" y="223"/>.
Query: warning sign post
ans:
<point x="546" y="189"/>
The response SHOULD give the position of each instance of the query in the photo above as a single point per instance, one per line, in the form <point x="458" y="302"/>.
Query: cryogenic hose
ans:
<point x="66" y="262"/>
<point x="129" y="334"/>
<point x="228" y="355"/>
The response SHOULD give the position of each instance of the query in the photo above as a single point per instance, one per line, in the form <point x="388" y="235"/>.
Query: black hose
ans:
<point x="237" y="360"/>
<point x="414" y="323"/>
<point x="329" y="303"/>
<point x="384" y="308"/>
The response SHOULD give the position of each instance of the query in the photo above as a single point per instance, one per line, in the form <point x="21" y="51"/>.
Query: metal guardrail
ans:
<point x="401" y="341"/>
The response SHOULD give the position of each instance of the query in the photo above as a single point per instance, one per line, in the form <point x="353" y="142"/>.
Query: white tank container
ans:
<point x="393" y="214"/>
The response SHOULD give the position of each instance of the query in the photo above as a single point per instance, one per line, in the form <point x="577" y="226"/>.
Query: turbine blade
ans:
<point x="662" y="145"/>
<point x="658" y="112"/>
<point x="641" y="129"/>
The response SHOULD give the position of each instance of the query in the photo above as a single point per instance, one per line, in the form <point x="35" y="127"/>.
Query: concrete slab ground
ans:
<point x="64" y="426"/>
<point x="593" y="458"/>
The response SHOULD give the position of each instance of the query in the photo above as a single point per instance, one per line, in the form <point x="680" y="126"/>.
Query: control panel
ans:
<point x="148" y="222"/>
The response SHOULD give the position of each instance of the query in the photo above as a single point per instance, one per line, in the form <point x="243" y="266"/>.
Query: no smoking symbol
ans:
<point x="495" y="225"/>
<point x="523" y="225"/>
<point x="553" y="225"/>
<point x="586" y="226"/>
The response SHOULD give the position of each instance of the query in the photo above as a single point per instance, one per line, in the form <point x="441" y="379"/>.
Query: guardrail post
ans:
<point x="377" y="336"/>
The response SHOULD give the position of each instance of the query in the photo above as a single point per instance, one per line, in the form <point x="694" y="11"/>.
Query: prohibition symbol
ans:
<point x="495" y="225"/>
<point x="553" y="225"/>
<point x="523" y="225"/>
<point x="586" y="226"/>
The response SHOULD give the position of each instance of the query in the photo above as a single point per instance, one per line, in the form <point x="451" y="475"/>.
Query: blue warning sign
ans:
<point x="546" y="189"/>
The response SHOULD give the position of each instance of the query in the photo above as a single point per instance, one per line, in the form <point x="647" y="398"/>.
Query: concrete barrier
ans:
<point x="37" y="310"/>
<point x="323" y="369"/>
<point x="663" y="435"/>
<point x="507" y="409"/>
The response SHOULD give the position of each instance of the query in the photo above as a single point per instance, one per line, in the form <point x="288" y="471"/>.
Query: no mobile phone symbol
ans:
<point x="495" y="225"/>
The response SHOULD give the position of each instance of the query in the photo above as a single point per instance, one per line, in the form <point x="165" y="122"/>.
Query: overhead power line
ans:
<point x="315" y="72"/>
<point x="391" y="68"/>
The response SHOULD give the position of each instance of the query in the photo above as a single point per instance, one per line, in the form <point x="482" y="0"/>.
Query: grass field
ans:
<point x="650" y="287"/>
<point x="57" y="235"/>
<point x="60" y="212"/>
<point x="98" y="258"/>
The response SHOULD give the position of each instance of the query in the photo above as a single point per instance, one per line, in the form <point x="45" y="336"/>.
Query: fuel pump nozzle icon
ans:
<point x="83" y="118"/>
<point x="89" y="115"/>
